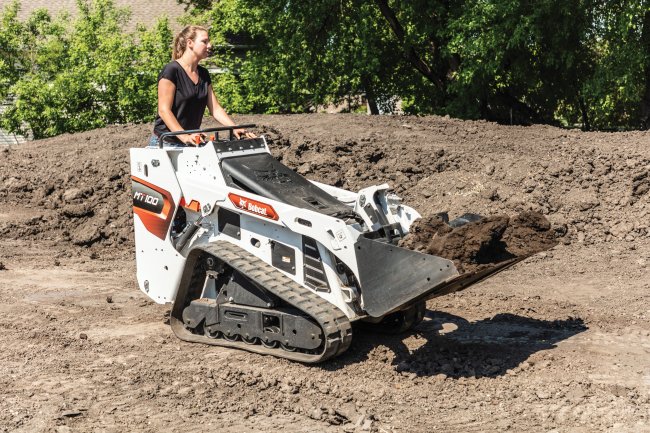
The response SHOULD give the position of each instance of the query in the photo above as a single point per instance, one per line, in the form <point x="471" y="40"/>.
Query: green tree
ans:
<point x="518" y="61"/>
<point x="11" y="61"/>
<point x="469" y="59"/>
<point x="572" y="62"/>
<point x="305" y="54"/>
<point x="86" y="72"/>
<point x="575" y="61"/>
<point x="617" y="92"/>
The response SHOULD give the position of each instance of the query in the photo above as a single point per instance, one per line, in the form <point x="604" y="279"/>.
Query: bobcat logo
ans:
<point x="253" y="206"/>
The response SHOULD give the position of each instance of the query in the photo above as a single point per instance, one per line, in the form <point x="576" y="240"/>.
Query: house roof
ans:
<point x="144" y="12"/>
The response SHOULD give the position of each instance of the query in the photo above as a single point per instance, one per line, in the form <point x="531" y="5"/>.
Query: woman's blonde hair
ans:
<point x="180" y="41"/>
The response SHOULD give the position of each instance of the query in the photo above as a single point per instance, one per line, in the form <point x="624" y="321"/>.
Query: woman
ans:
<point x="185" y="89"/>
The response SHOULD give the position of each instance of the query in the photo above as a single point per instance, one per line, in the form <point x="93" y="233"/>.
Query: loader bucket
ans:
<point x="392" y="277"/>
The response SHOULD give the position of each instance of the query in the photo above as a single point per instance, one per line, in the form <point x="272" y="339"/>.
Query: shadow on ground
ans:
<point x="455" y="347"/>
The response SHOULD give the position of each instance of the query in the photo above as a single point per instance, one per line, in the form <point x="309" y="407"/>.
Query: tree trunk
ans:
<point x="519" y="113"/>
<point x="586" y="126"/>
<point x="370" y="97"/>
<point x="372" y="105"/>
<point x="645" y="46"/>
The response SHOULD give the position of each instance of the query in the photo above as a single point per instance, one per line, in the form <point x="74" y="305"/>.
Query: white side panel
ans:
<point x="256" y="237"/>
<point x="159" y="265"/>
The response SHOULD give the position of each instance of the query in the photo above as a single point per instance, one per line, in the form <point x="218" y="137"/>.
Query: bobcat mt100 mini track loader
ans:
<point x="254" y="256"/>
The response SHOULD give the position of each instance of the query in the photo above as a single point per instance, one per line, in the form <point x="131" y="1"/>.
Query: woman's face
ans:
<point x="201" y="44"/>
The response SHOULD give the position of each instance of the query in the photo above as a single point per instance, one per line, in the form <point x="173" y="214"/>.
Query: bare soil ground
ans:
<point x="560" y="342"/>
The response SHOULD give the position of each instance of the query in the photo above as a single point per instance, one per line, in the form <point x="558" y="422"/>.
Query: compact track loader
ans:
<point x="254" y="256"/>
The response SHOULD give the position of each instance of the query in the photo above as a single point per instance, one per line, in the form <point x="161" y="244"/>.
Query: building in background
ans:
<point x="142" y="12"/>
<point x="6" y="137"/>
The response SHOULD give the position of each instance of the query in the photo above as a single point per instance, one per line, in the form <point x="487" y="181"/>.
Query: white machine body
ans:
<point x="166" y="180"/>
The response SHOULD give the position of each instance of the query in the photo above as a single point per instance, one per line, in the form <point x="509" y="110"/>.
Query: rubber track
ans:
<point x="337" y="330"/>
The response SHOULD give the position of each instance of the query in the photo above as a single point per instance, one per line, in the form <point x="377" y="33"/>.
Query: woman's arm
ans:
<point x="166" y="91"/>
<point x="220" y="115"/>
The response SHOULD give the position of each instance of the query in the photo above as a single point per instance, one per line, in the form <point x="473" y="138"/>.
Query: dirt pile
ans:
<point x="559" y="343"/>
<point x="477" y="244"/>
<point x="594" y="185"/>
<point x="75" y="188"/>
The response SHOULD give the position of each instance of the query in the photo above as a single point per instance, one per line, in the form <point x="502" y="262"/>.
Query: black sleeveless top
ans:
<point x="190" y="100"/>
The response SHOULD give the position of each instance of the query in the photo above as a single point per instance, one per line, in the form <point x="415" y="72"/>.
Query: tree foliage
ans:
<point x="617" y="90"/>
<point x="304" y="54"/>
<point x="11" y="61"/>
<point x="68" y="75"/>
<point x="550" y="61"/>
<point x="572" y="62"/>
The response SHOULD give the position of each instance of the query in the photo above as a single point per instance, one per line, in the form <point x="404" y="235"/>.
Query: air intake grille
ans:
<point x="313" y="266"/>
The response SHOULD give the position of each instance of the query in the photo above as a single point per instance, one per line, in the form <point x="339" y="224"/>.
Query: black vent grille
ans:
<point x="315" y="277"/>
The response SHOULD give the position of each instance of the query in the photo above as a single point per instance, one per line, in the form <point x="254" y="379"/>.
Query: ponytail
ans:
<point x="180" y="41"/>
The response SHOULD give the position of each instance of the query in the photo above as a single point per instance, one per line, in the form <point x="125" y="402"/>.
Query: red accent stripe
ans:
<point x="156" y="224"/>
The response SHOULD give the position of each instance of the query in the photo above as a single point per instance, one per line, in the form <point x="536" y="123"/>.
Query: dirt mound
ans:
<point x="559" y="343"/>
<point x="73" y="189"/>
<point x="594" y="187"/>
<point x="477" y="244"/>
